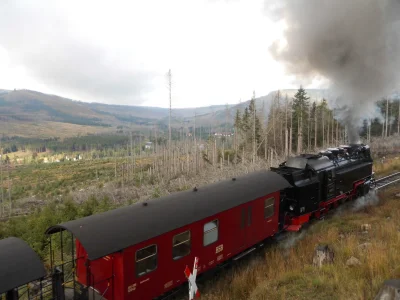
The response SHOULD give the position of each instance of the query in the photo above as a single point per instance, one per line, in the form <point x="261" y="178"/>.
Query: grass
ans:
<point x="288" y="273"/>
<point x="46" y="129"/>
<point x="48" y="180"/>
<point x="387" y="166"/>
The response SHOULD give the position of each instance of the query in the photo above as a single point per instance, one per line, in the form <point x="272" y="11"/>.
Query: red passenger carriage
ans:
<point x="141" y="251"/>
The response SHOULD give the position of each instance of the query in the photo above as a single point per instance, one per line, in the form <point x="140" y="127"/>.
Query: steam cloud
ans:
<point x="354" y="44"/>
<point x="371" y="199"/>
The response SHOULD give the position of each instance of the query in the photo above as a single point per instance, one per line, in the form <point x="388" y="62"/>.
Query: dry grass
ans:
<point x="287" y="273"/>
<point x="386" y="166"/>
<point x="46" y="129"/>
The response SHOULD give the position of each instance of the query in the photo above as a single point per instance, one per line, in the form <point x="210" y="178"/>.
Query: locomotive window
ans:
<point x="210" y="232"/>
<point x="146" y="260"/>
<point x="181" y="245"/>
<point x="269" y="207"/>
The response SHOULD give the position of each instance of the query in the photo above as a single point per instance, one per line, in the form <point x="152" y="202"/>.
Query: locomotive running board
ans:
<point x="244" y="253"/>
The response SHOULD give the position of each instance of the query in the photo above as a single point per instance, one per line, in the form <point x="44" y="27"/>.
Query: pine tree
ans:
<point x="300" y="108"/>
<point x="238" y="119"/>
<point x="245" y="125"/>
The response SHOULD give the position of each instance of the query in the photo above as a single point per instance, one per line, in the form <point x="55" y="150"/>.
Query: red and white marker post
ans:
<point x="193" y="290"/>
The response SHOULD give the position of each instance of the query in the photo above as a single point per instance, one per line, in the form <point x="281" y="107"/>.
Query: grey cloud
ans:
<point x="39" y="38"/>
<point x="355" y="44"/>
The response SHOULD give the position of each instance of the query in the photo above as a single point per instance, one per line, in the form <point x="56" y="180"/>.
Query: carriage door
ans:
<point x="247" y="230"/>
<point x="241" y="237"/>
<point x="330" y="184"/>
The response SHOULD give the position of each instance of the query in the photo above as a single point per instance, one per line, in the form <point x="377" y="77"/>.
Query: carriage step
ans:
<point x="244" y="253"/>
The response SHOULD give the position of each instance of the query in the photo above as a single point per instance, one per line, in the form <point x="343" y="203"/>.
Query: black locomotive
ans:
<point x="321" y="180"/>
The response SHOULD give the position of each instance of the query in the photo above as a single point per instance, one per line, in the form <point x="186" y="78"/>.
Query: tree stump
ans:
<point x="390" y="290"/>
<point x="323" y="255"/>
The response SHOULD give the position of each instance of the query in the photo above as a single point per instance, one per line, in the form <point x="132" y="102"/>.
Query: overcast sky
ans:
<point x="120" y="51"/>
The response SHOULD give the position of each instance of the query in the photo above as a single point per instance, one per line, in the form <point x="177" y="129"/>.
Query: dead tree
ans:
<point x="254" y="128"/>
<point x="333" y="126"/>
<point x="291" y="130"/>
<point x="315" y="127"/>
<point x="286" y="127"/>
<point x="308" y="129"/>
<point x="390" y="115"/>
<point x="323" y="126"/>
<point x="327" y="131"/>
<point x="387" y="117"/>
<point x="398" y="121"/>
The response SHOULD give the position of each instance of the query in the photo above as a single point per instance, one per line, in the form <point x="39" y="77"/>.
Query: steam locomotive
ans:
<point x="141" y="251"/>
<point x="320" y="182"/>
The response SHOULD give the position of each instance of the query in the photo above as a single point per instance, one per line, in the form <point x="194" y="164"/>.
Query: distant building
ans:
<point x="221" y="134"/>
<point x="148" y="145"/>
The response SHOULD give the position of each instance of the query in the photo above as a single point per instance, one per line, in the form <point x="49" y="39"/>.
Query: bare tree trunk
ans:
<point x="286" y="127"/>
<point x="315" y="128"/>
<point x="131" y="144"/>
<point x="265" y="151"/>
<point x="327" y="132"/>
<point x="195" y="143"/>
<point x="369" y="131"/>
<point x="398" y="121"/>
<point x="9" y="187"/>
<point x="300" y="131"/>
<point x="298" y="136"/>
<point x="390" y="122"/>
<point x="323" y="127"/>
<point x="254" y="128"/>
<point x="273" y="122"/>
<point x="333" y="126"/>
<point x="170" y="106"/>
<point x="337" y="133"/>
<point x="387" y="117"/>
<point x="383" y="127"/>
<point x="286" y="143"/>
<point x="291" y="131"/>
<point x="308" y="129"/>
<point x="169" y="120"/>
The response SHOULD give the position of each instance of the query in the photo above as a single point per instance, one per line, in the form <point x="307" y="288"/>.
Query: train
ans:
<point x="141" y="251"/>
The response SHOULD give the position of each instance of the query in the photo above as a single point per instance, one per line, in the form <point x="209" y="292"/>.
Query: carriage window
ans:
<point x="269" y="207"/>
<point x="181" y="245"/>
<point x="210" y="232"/>
<point x="146" y="260"/>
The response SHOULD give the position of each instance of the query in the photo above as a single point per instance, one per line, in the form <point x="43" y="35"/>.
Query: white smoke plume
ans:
<point x="354" y="44"/>
<point x="371" y="199"/>
<point x="291" y="240"/>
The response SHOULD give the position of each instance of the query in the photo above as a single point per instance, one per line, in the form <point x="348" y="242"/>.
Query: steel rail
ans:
<point x="387" y="180"/>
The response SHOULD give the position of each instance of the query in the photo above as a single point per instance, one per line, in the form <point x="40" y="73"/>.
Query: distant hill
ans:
<point x="29" y="113"/>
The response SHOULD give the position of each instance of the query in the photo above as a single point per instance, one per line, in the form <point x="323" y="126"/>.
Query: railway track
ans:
<point x="387" y="180"/>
